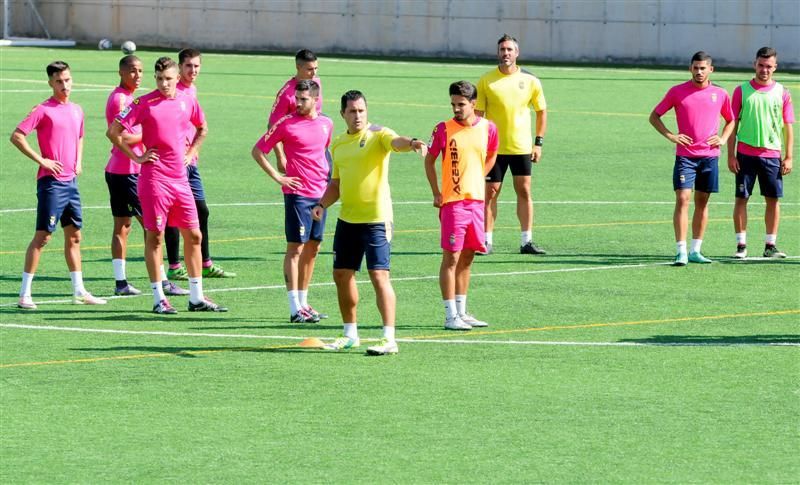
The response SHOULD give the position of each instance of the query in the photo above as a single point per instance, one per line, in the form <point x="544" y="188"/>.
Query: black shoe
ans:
<point x="531" y="248"/>
<point x="164" y="308"/>
<point x="206" y="306"/>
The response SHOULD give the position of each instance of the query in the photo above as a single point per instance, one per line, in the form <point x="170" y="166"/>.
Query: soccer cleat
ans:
<point x="216" y="271"/>
<point x="302" y="316"/>
<point x="488" y="251"/>
<point x="681" y="259"/>
<point x="531" y="248"/>
<point x="696" y="257"/>
<point x="385" y="347"/>
<point x="317" y="315"/>
<point x="770" y="251"/>
<point x="127" y="290"/>
<point x="741" y="251"/>
<point x="206" y="306"/>
<point x="164" y="308"/>
<point x="472" y="321"/>
<point x="343" y="343"/>
<point x="26" y="303"/>
<point x="171" y="289"/>
<point x="87" y="299"/>
<point x="178" y="273"/>
<point x="456" y="323"/>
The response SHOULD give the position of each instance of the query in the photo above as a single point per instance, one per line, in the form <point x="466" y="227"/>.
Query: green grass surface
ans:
<point x="602" y="363"/>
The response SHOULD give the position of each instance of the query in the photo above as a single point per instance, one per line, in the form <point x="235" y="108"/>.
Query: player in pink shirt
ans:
<point x="122" y="176"/>
<point x="698" y="105"/>
<point x="306" y="136"/>
<point x="307" y="65"/>
<point x="764" y="118"/>
<point x="190" y="62"/>
<point x="163" y="187"/>
<point x="59" y="130"/>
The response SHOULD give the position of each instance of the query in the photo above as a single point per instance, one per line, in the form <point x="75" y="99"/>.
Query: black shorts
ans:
<point x="123" y="195"/>
<point x="520" y="165"/>
<point x="352" y="241"/>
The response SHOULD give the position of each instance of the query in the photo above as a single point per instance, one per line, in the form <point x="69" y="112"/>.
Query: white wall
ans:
<point x="650" y="31"/>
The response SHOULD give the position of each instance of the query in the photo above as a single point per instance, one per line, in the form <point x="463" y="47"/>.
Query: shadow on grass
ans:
<point x="721" y="340"/>
<point x="195" y="352"/>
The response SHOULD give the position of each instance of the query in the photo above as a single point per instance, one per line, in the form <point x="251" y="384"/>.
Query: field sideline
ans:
<point x="602" y="363"/>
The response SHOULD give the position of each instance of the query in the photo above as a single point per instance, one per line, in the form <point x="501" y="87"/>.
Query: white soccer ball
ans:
<point x="128" y="47"/>
<point x="104" y="44"/>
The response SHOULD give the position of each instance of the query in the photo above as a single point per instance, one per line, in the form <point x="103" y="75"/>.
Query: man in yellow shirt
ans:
<point x="361" y="180"/>
<point x="505" y="95"/>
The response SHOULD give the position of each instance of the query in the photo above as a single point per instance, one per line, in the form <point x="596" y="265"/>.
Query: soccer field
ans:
<point x="602" y="363"/>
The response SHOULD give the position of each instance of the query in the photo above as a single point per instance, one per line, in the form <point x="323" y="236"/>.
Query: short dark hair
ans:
<point x="304" y="55"/>
<point x="128" y="61"/>
<point x="464" y="88"/>
<point x="766" y="53"/>
<point x="506" y="38"/>
<point x="352" y="95"/>
<point x="55" y="67"/>
<point x="164" y="63"/>
<point x="187" y="53"/>
<point x="701" y="56"/>
<point x="308" y="85"/>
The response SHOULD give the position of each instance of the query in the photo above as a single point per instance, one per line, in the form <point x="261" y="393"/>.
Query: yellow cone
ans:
<point x="311" y="343"/>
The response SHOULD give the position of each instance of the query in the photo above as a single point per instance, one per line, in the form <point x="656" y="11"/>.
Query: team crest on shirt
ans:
<point x="522" y="84"/>
<point x="183" y="106"/>
<point x="362" y="142"/>
<point x="713" y="97"/>
<point x="136" y="101"/>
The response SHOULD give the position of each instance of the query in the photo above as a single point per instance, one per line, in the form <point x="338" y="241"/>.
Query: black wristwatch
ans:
<point x="538" y="141"/>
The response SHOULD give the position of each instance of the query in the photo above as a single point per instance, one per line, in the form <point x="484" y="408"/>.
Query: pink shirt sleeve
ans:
<point x="665" y="105"/>
<point x="31" y="121"/>
<point x="80" y="130"/>
<point x="438" y="140"/>
<point x="267" y="142"/>
<point x="788" y="110"/>
<point x="128" y="117"/>
<point x="736" y="102"/>
<point x="280" y="107"/>
<point x="493" y="141"/>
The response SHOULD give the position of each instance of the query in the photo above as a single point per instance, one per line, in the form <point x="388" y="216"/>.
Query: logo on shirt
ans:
<point x="455" y="175"/>
<point x="713" y="97"/>
<point x="362" y="142"/>
<point x="124" y="112"/>
<point x="522" y="84"/>
<point x="183" y="106"/>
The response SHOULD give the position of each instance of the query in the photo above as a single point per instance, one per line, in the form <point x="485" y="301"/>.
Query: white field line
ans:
<point x="428" y="202"/>
<point x="161" y="333"/>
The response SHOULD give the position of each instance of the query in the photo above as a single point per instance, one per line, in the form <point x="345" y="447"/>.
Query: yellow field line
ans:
<point x="426" y="337"/>
<point x="401" y="231"/>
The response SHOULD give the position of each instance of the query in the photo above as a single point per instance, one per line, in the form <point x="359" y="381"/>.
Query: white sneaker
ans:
<point x="385" y="347"/>
<point x="343" y="343"/>
<point x="456" y="323"/>
<point x="741" y="251"/>
<point x="472" y="321"/>
<point x="87" y="299"/>
<point x="26" y="303"/>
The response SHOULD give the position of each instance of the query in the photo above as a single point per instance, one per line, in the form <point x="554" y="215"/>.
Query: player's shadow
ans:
<point x="578" y="259"/>
<point x="187" y="352"/>
<point x="758" y="261"/>
<point x="145" y="316"/>
<point x="714" y="340"/>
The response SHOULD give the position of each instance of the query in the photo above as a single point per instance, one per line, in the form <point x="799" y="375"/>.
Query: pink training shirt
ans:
<point x="697" y="111"/>
<point x="119" y="163"/>
<point x="190" y="90"/>
<point x="59" y="128"/>
<point x="285" y="104"/>
<point x="305" y="142"/>
<point x="788" y="118"/>
<point x="164" y="122"/>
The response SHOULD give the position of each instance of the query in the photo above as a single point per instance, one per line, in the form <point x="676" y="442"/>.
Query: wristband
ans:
<point x="411" y="143"/>
<point x="538" y="141"/>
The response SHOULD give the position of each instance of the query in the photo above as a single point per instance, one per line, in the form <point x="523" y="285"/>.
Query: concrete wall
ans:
<point x="652" y="31"/>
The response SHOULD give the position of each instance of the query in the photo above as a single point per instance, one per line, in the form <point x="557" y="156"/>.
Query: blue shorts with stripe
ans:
<point x="299" y="225"/>
<point x="702" y="173"/>
<point x="57" y="201"/>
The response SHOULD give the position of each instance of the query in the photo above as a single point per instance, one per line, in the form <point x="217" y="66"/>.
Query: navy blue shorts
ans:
<point x="352" y="241"/>
<point x="299" y="225"/>
<point x="519" y="165"/>
<point x="57" y="201"/>
<point x="195" y="182"/>
<point x="702" y="173"/>
<point x="124" y="198"/>
<point x="766" y="170"/>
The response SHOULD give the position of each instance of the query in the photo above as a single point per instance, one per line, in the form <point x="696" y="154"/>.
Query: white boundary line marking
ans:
<point x="404" y="340"/>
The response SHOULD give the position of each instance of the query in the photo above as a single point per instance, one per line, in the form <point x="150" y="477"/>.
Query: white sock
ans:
<point x="77" y="283"/>
<point x="696" y="244"/>
<point x="163" y="274"/>
<point x="461" y="304"/>
<point x="525" y="237"/>
<point x="450" y="311"/>
<point x="196" y="290"/>
<point x="25" y="289"/>
<point x="158" y="292"/>
<point x="119" y="269"/>
<point x="488" y="238"/>
<point x="302" y="295"/>
<point x="294" y="301"/>
<point x="388" y="333"/>
<point x="680" y="246"/>
<point x="771" y="239"/>
<point x="351" y="330"/>
<point x="741" y="238"/>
